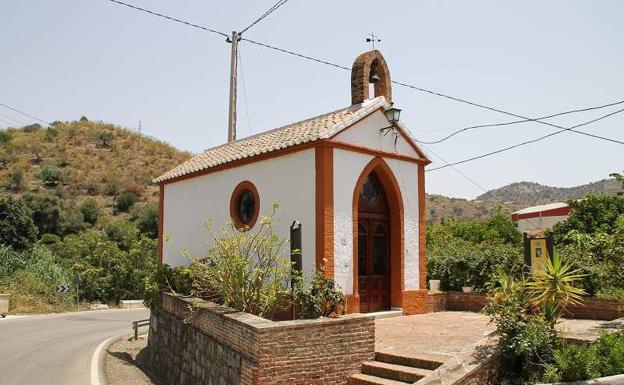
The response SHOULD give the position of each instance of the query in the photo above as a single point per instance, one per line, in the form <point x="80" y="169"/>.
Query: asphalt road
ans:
<point x="57" y="349"/>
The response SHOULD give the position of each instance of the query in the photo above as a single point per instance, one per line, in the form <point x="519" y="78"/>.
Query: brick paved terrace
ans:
<point x="438" y="336"/>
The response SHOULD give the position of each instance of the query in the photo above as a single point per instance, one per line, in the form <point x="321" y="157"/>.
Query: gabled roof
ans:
<point x="319" y="127"/>
<point x="541" y="208"/>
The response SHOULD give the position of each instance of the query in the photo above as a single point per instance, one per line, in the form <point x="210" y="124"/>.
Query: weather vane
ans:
<point x="373" y="39"/>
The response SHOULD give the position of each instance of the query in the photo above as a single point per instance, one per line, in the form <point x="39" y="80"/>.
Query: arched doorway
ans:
<point x="378" y="223"/>
<point x="373" y="216"/>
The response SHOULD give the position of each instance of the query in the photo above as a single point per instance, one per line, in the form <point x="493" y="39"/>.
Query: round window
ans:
<point x="370" y="190"/>
<point x="244" y="205"/>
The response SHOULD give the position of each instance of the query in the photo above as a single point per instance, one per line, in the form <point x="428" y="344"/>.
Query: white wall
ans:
<point x="288" y="180"/>
<point x="347" y="168"/>
<point x="539" y="223"/>
<point x="406" y="174"/>
<point x="366" y="133"/>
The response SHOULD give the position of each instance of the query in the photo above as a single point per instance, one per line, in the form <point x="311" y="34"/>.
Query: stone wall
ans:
<point x="592" y="308"/>
<point x="195" y="342"/>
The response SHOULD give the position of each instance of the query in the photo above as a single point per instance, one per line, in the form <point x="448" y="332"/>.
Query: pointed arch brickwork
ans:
<point x="361" y="73"/>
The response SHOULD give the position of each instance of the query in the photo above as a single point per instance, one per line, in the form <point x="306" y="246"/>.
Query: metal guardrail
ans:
<point x="137" y="324"/>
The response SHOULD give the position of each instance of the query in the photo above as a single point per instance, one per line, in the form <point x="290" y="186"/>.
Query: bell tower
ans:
<point x="370" y="68"/>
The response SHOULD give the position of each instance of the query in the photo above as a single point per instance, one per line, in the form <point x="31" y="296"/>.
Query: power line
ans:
<point x="530" y="141"/>
<point x="457" y="170"/>
<point x="296" y="54"/>
<point x="507" y="209"/>
<point x="25" y="114"/>
<point x="518" y="121"/>
<point x="169" y="17"/>
<point x="267" y="13"/>
<point x="435" y="93"/>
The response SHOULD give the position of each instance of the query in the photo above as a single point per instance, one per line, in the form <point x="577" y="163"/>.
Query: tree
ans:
<point x="147" y="219"/>
<point x="619" y="178"/>
<point x="52" y="175"/>
<point x="110" y="271"/>
<point x="16" y="225"/>
<point x="104" y="139"/>
<point x="90" y="211"/>
<point x="17" y="179"/>
<point x="595" y="213"/>
<point x="72" y="222"/>
<point x="46" y="211"/>
<point x="124" y="201"/>
<point x="5" y="137"/>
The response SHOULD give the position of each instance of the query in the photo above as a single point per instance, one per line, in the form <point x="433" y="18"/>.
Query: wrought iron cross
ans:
<point x="373" y="39"/>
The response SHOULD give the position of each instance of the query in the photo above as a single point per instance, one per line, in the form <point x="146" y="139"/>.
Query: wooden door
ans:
<point x="373" y="248"/>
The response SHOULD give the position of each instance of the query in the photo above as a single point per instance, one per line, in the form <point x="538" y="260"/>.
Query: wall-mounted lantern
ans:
<point x="393" y="114"/>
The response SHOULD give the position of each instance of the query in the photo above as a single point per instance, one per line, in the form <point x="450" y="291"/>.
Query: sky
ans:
<point x="63" y="59"/>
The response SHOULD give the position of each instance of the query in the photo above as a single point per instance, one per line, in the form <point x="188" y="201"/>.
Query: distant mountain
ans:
<point x="512" y="197"/>
<point x="529" y="193"/>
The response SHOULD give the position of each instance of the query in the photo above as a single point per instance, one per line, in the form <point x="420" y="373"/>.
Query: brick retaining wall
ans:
<point x="195" y="342"/>
<point x="592" y="308"/>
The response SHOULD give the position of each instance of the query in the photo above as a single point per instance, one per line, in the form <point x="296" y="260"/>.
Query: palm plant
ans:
<point x="552" y="289"/>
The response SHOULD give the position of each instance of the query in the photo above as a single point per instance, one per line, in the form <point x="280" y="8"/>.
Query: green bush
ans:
<point x="90" y="211"/>
<point x="17" y="228"/>
<point x="72" y="222"/>
<point x="5" y="137"/>
<point x="459" y="263"/>
<point x="245" y="270"/>
<point x="52" y="175"/>
<point x="147" y="219"/>
<point x="104" y="139"/>
<point x="572" y="363"/>
<point x="176" y="280"/>
<point x="467" y="253"/>
<point x="593" y="214"/>
<point x="46" y="211"/>
<point x="32" y="127"/>
<point x="525" y="313"/>
<point x="321" y="299"/>
<point x="111" y="269"/>
<point x="31" y="277"/>
<point x="124" y="201"/>
<point x="605" y="357"/>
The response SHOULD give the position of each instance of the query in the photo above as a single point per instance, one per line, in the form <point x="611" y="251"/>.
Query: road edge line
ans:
<point x="98" y="374"/>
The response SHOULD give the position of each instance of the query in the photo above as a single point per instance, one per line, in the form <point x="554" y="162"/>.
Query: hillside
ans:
<point x="529" y="193"/>
<point x="440" y="207"/>
<point x="512" y="197"/>
<point x="83" y="159"/>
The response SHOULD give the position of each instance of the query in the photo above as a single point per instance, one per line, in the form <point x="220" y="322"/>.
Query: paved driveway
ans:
<point x="57" y="349"/>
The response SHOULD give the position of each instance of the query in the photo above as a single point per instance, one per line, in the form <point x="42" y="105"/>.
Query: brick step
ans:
<point x="414" y="362"/>
<point x="394" y="372"/>
<point x="365" y="379"/>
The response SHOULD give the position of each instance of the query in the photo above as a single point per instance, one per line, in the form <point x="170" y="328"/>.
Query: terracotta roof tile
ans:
<point x="319" y="127"/>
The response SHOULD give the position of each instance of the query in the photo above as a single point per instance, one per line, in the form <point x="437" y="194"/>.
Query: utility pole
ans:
<point x="233" y="69"/>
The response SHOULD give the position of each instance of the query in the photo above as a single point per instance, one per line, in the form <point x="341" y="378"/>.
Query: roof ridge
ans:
<point x="320" y="127"/>
<point x="278" y="128"/>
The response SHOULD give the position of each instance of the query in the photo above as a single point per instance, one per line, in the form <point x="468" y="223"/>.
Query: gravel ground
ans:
<point x="124" y="363"/>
